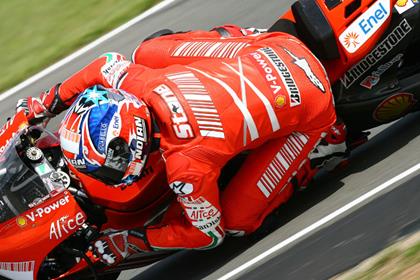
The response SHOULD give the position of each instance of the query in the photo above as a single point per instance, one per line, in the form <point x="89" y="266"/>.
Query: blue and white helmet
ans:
<point x="106" y="135"/>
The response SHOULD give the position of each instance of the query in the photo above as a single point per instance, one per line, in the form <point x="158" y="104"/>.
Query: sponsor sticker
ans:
<point x="359" y="32"/>
<point x="114" y="128"/>
<point x="200" y="102"/>
<point x="180" y="123"/>
<point x="103" y="130"/>
<point x="141" y="137"/>
<point x="17" y="270"/>
<point x="21" y="221"/>
<point x="404" y="5"/>
<point x="65" y="225"/>
<point x="114" y="69"/>
<point x="280" y="101"/>
<point x="377" y="54"/>
<point x="394" y="107"/>
<point x="203" y="215"/>
<point x="70" y="140"/>
<point x="116" y="122"/>
<point x="267" y="71"/>
<point x="373" y="79"/>
<point x="284" y="74"/>
<point x="44" y="211"/>
<point x="135" y="168"/>
<point x="77" y="163"/>
<point x="181" y="188"/>
<point x="42" y="169"/>
<point x="303" y="64"/>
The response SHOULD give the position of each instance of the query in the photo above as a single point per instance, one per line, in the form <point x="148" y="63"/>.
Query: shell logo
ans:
<point x="21" y="221"/>
<point x="23" y="125"/>
<point x="401" y="3"/>
<point x="351" y="39"/>
<point x="279" y="101"/>
<point x="404" y="5"/>
<point x="394" y="107"/>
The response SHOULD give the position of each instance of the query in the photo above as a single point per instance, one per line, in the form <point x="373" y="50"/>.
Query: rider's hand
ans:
<point x="34" y="110"/>
<point x="48" y="105"/>
<point x="114" y="247"/>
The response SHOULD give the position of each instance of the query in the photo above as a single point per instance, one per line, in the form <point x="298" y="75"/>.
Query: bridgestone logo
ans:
<point x="284" y="74"/>
<point x="377" y="54"/>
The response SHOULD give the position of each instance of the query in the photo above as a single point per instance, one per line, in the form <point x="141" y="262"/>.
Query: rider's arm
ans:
<point x="195" y="184"/>
<point x="108" y="70"/>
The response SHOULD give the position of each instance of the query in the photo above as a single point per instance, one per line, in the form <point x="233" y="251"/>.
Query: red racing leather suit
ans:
<point x="266" y="94"/>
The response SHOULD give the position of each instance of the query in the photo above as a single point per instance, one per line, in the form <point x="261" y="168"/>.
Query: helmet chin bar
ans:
<point x="116" y="162"/>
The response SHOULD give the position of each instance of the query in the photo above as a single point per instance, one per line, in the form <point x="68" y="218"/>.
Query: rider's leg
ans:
<point x="262" y="183"/>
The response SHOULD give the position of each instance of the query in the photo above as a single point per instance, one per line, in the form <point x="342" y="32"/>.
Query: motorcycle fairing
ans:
<point x="43" y="227"/>
<point x="15" y="124"/>
<point x="363" y="88"/>
<point x="36" y="214"/>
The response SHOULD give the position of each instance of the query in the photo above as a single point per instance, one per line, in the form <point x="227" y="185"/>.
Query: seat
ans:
<point x="314" y="29"/>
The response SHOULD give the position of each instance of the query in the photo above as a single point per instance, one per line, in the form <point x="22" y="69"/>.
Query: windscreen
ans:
<point x="21" y="186"/>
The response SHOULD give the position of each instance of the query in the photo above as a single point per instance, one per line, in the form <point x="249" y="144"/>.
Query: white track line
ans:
<point x="320" y="223"/>
<point x="85" y="49"/>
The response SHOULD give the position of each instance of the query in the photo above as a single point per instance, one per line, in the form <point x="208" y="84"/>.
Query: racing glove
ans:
<point x="37" y="109"/>
<point x="114" y="247"/>
<point x="34" y="110"/>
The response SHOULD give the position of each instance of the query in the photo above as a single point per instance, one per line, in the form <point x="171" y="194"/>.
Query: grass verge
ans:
<point x="37" y="33"/>
<point x="400" y="261"/>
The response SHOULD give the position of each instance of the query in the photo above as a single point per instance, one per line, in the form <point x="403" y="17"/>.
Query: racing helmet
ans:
<point x="106" y="134"/>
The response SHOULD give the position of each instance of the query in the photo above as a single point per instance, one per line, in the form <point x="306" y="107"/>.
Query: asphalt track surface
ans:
<point x="334" y="247"/>
<point x="349" y="240"/>
<point x="339" y="245"/>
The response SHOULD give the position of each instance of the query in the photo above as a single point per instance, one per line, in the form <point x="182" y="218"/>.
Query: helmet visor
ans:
<point x="116" y="162"/>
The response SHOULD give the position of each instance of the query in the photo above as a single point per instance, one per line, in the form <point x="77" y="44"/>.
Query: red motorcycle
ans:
<point x="48" y="220"/>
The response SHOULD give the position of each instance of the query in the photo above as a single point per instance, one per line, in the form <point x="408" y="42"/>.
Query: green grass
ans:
<point x="413" y="253"/>
<point x="395" y="261"/>
<point x="37" y="33"/>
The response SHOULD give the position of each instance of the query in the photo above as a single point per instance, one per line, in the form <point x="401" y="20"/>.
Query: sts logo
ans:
<point x="359" y="32"/>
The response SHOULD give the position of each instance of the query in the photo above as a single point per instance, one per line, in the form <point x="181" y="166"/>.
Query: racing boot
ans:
<point x="330" y="153"/>
<point x="332" y="149"/>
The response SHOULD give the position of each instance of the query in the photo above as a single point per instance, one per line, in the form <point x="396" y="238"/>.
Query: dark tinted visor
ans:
<point x="116" y="163"/>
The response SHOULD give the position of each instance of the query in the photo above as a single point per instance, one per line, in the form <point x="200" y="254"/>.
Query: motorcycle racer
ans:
<point x="266" y="94"/>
